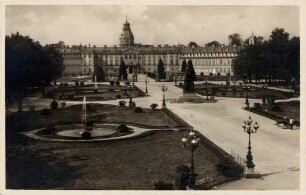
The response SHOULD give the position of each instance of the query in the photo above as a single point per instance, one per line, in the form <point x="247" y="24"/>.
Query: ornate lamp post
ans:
<point x="247" y="127"/>
<point x="131" y="100"/>
<point x="191" y="142"/>
<point x="126" y="84"/>
<point x="164" y="89"/>
<point x="206" y="90"/>
<point x="264" y="99"/>
<point x="246" y="88"/>
<point x="175" y="79"/>
<point x="146" y="81"/>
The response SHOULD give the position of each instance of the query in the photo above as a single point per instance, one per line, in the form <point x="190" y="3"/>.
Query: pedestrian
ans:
<point x="286" y="120"/>
<point x="291" y="123"/>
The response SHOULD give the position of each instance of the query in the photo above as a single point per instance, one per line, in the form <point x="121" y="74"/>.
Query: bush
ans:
<point x="86" y="135"/>
<point x="138" y="110"/>
<point x="276" y="108"/>
<point x="48" y="130"/>
<point x="210" y="74"/>
<point x="70" y="96"/>
<point x="76" y="83"/>
<point x="45" y="112"/>
<point x="89" y="123"/>
<point x="161" y="185"/>
<point x="111" y="90"/>
<point x="32" y="108"/>
<point x="117" y="83"/>
<point x="181" y="84"/>
<point x="63" y="104"/>
<point x="54" y="105"/>
<point x="133" y="104"/>
<point x="82" y="84"/>
<point x="118" y="96"/>
<point x="111" y="83"/>
<point x="256" y="105"/>
<point x="223" y="93"/>
<point x="154" y="106"/>
<point x="271" y="100"/>
<point x="122" y="128"/>
<point x="122" y="103"/>
<point x="95" y="90"/>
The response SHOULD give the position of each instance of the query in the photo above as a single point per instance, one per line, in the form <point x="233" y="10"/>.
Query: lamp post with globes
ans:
<point x="247" y="127"/>
<point x="191" y="142"/>
<point x="164" y="89"/>
<point x="131" y="100"/>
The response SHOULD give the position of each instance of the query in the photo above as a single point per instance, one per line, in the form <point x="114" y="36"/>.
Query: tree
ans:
<point x="192" y="44"/>
<point x="28" y="64"/>
<point x="122" y="71"/>
<point x="99" y="73"/>
<point x="184" y="65"/>
<point x="161" y="70"/>
<point x="213" y="43"/>
<point x="235" y="39"/>
<point x="191" y="69"/>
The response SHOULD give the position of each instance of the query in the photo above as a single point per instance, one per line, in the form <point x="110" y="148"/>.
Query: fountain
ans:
<point x="87" y="127"/>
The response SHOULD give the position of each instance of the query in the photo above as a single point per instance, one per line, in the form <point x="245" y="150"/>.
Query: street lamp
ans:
<point x="247" y="127"/>
<point x="164" y="89"/>
<point x="191" y="142"/>
<point x="146" y="81"/>
<point x="131" y="101"/>
<point x="264" y="99"/>
<point x="246" y="88"/>
<point x="206" y="90"/>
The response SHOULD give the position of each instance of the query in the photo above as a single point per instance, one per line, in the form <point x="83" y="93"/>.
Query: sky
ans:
<point x="155" y="24"/>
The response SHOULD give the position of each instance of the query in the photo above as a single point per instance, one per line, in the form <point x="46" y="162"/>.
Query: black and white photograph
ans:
<point x="152" y="97"/>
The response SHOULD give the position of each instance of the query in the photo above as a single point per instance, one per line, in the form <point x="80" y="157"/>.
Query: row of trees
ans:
<point x="275" y="59"/>
<point x="28" y="65"/>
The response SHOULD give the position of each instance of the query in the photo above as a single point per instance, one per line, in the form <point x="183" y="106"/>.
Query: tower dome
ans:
<point x="126" y="37"/>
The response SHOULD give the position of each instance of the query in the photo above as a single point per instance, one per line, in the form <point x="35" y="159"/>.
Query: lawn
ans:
<point x="135" y="164"/>
<point x="239" y="91"/>
<point x="101" y="92"/>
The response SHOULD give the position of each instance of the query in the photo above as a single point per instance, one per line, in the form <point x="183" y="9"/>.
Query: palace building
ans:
<point x="82" y="59"/>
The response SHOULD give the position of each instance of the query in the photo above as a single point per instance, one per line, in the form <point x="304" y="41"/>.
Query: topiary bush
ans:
<point x="45" y="112"/>
<point x="154" y="106"/>
<point x="86" y="135"/>
<point x="82" y="84"/>
<point x="138" y="110"/>
<point x="122" y="103"/>
<point x="111" y="83"/>
<point x="271" y="100"/>
<point x="54" y="105"/>
<point x="63" y="104"/>
<point x="32" y="108"/>
<point x="122" y="128"/>
<point x="50" y="129"/>
<point x="118" y="96"/>
<point x="117" y="83"/>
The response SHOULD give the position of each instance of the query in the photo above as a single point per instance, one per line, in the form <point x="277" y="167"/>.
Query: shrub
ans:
<point x="63" y="104"/>
<point x="76" y="83"/>
<point x="218" y="74"/>
<point x="89" y="123"/>
<point x="54" y="105"/>
<point x="223" y="93"/>
<point x="180" y="84"/>
<point x="227" y="83"/>
<point x="118" y="96"/>
<point x="122" y="103"/>
<point x="256" y="105"/>
<point x="111" y="90"/>
<point x="154" y="106"/>
<point x="86" y="135"/>
<point x="138" y="110"/>
<point x="276" y="108"/>
<point x="133" y="104"/>
<point x="31" y="108"/>
<point x="45" y="112"/>
<point x="95" y="90"/>
<point x="210" y="74"/>
<point x="122" y="128"/>
<point x="82" y="84"/>
<point x="271" y="100"/>
<point x="48" y="130"/>
<point x="111" y="83"/>
<point x="161" y="185"/>
<point x="117" y="83"/>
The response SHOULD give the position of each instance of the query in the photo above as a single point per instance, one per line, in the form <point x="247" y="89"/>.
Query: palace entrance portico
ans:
<point x="132" y="59"/>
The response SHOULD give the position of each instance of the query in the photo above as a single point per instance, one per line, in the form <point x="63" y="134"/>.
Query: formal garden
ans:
<point x="94" y="92"/>
<point x="155" y="160"/>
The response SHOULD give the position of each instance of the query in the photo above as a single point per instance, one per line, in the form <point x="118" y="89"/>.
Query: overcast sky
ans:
<point x="102" y="25"/>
